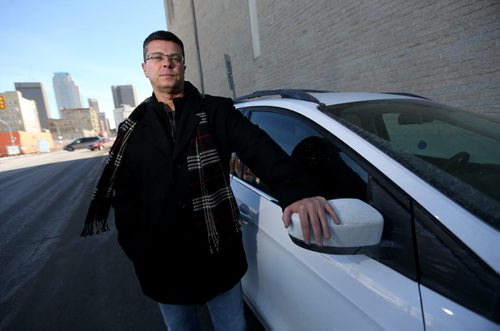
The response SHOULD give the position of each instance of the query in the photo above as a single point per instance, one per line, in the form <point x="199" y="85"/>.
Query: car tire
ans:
<point x="70" y="149"/>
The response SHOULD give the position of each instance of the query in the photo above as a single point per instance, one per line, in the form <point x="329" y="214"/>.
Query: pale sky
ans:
<point x="98" y="42"/>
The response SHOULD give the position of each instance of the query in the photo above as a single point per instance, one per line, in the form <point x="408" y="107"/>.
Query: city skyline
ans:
<point x="68" y="97"/>
<point x="58" y="37"/>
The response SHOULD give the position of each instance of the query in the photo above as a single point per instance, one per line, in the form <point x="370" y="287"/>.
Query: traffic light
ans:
<point x="2" y="103"/>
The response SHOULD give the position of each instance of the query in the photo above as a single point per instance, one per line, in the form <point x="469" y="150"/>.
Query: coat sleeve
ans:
<point x="266" y="159"/>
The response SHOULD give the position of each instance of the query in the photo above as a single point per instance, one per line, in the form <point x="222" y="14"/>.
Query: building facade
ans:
<point x="66" y="91"/>
<point x="36" y="92"/>
<point x="76" y="123"/>
<point x="94" y="103"/>
<point x="124" y="95"/>
<point x="104" y="124"/>
<point x="104" y="128"/>
<point x="122" y="113"/>
<point x="19" y="113"/>
<point x="445" y="50"/>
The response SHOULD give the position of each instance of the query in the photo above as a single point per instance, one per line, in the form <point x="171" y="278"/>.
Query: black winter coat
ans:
<point x="153" y="206"/>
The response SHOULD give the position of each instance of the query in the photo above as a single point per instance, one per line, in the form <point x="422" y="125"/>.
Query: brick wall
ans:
<point x="447" y="50"/>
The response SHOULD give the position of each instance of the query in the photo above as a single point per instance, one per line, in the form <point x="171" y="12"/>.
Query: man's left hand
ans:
<point x="312" y="214"/>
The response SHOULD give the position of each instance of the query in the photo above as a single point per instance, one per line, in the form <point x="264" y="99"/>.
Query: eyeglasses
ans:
<point x="159" y="57"/>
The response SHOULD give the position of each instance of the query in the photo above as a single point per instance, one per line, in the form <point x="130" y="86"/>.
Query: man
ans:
<point x="167" y="178"/>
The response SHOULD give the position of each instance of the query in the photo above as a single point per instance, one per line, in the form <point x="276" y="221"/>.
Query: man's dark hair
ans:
<point x="161" y="35"/>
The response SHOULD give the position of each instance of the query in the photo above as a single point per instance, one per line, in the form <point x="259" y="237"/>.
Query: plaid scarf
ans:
<point x="97" y="214"/>
<point x="213" y="200"/>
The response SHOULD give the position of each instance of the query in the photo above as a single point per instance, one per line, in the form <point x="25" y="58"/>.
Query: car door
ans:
<point x="83" y="143"/>
<point x="296" y="289"/>
<point x="76" y="143"/>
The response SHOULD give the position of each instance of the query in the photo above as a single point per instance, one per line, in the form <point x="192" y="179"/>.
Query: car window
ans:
<point x="456" y="152"/>
<point x="440" y="139"/>
<point x="287" y="131"/>
<point x="339" y="172"/>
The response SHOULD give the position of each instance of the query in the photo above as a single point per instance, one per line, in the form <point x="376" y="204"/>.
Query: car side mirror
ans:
<point x="360" y="225"/>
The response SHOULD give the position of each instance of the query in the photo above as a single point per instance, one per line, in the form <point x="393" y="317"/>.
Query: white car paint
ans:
<point x="444" y="314"/>
<point x="350" y="292"/>
<point x="366" y="294"/>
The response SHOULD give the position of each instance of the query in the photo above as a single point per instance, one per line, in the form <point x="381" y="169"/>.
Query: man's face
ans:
<point x="166" y="76"/>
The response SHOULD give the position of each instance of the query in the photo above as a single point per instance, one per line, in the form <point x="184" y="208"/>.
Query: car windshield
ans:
<point x="455" y="151"/>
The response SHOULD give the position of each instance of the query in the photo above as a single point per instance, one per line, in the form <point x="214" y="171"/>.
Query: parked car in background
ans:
<point x="100" y="144"/>
<point x="433" y="174"/>
<point x="81" y="143"/>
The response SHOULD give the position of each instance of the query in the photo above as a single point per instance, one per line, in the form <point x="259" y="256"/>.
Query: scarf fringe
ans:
<point x="213" y="238"/>
<point x="97" y="227"/>
<point x="96" y="221"/>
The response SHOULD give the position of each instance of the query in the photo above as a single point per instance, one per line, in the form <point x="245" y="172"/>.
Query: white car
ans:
<point x="433" y="174"/>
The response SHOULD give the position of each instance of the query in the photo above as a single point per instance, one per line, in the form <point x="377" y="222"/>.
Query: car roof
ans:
<point x="323" y="98"/>
<point x="348" y="97"/>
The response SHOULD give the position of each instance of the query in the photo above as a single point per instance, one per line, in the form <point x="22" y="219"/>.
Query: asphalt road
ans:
<point x="50" y="277"/>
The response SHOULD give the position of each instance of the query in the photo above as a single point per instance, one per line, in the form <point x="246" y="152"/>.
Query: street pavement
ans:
<point x="50" y="277"/>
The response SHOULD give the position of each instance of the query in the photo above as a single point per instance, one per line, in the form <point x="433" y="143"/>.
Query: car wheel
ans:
<point x="101" y="148"/>
<point x="71" y="149"/>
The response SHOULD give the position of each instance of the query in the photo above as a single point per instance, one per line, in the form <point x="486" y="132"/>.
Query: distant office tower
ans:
<point x="36" y="92"/>
<point x="66" y="91"/>
<point x="93" y="103"/>
<point x="104" y="122"/>
<point x="123" y="95"/>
